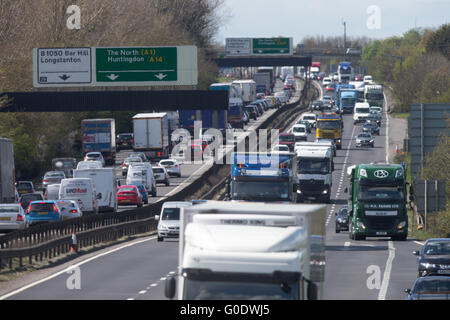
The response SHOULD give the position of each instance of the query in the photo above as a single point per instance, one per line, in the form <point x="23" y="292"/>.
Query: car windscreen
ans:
<point x="126" y="189"/>
<point x="65" y="204"/>
<point x="9" y="209"/>
<point x="328" y="125"/>
<point x="54" y="175"/>
<point x="93" y="155"/>
<point x="44" y="206"/>
<point x="362" y="110"/>
<point x="31" y="197"/>
<point x="298" y="129"/>
<point x="309" y="118"/>
<point x="380" y="193"/>
<point x="171" y="214"/>
<point x="24" y="186"/>
<point x="437" y="248"/>
<point x="432" y="286"/>
<point x="158" y="170"/>
<point x="287" y="138"/>
<point x="166" y="163"/>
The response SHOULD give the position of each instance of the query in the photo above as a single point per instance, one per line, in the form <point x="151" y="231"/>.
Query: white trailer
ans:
<point x="7" y="171"/>
<point x="237" y="250"/>
<point x="151" y="135"/>
<point x="248" y="89"/>
<point x="105" y="183"/>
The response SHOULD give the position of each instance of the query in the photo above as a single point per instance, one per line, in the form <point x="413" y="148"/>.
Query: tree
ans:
<point x="439" y="41"/>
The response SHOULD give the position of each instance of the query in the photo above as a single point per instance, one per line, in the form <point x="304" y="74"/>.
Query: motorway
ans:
<point x="376" y="268"/>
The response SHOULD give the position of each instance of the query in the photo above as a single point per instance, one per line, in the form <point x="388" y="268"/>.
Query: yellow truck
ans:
<point x="330" y="126"/>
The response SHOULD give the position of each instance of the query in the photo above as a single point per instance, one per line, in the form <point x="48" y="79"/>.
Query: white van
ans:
<point x="169" y="220"/>
<point x="81" y="190"/>
<point x="362" y="111"/>
<point x="142" y="173"/>
<point x="52" y="192"/>
<point x="105" y="183"/>
<point x="310" y="117"/>
<point x="94" y="164"/>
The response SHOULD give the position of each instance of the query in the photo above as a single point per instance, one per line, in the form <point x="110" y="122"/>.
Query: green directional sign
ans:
<point x="145" y="64"/>
<point x="272" y="46"/>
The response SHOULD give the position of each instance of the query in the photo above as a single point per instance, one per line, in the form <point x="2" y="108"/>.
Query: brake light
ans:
<point x="176" y="166"/>
<point x="29" y="209"/>
<point x="19" y="218"/>
<point x="159" y="154"/>
<point x="73" y="211"/>
<point x="45" y="180"/>
<point x="55" y="209"/>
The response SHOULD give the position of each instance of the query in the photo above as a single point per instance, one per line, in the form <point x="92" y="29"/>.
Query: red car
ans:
<point x="330" y="88"/>
<point x="358" y="77"/>
<point x="287" y="139"/>
<point x="129" y="195"/>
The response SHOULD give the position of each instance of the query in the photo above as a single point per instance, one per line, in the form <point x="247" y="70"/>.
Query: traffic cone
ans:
<point x="396" y="148"/>
<point x="74" y="246"/>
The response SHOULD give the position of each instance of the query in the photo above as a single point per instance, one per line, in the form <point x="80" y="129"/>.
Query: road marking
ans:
<point x="420" y="243"/>
<point x="143" y="292"/>
<point x="130" y="299"/>
<point x="153" y="285"/>
<point x="347" y="244"/>
<point x="162" y="279"/>
<point x="387" y="272"/>
<point x="71" y="268"/>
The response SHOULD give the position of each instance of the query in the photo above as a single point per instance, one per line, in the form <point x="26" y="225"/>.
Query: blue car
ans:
<point x="43" y="211"/>
<point x="143" y="192"/>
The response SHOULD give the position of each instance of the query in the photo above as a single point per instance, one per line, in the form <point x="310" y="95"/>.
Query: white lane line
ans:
<point x="143" y="292"/>
<point x="153" y="285"/>
<point x="70" y="268"/>
<point x="387" y="272"/>
<point x="162" y="279"/>
<point x="130" y="299"/>
<point x="420" y="243"/>
<point x="347" y="244"/>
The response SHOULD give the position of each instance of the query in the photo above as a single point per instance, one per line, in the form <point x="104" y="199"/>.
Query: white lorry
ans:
<point x="105" y="183"/>
<point x="239" y="250"/>
<point x="7" y="171"/>
<point x="151" y="135"/>
<point x="248" y="90"/>
<point x="314" y="172"/>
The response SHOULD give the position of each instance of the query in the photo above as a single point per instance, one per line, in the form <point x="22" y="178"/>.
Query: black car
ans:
<point x="124" y="141"/>
<point x="252" y="112"/>
<point x="25" y="199"/>
<point x="434" y="258"/>
<point x="430" y="288"/>
<point x="341" y="219"/>
<point x="375" y="118"/>
<point x="317" y="105"/>
<point x="371" y="127"/>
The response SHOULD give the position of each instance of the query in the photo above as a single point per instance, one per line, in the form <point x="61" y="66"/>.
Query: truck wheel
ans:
<point x="153" y="193"/>
<point x="338" y="231"/>
<point x="167" y="183"/>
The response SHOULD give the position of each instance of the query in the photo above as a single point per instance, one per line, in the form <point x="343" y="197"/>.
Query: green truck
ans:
<point x="377" y="201"/>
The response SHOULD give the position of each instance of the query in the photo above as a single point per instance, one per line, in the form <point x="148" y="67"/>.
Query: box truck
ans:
<point x="239" y="250"/>
<point x="151" y="135"/>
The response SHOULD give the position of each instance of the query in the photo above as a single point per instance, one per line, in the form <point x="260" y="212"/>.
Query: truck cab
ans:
<point x="373" y="95"/>
<point x="263" y="177"/>
<point x="347" y="100"/>
<point x="274" y="252"/>
<point x="330" y="126"/>
<point x="377" y="201"/>
<point x="314" y="172"/>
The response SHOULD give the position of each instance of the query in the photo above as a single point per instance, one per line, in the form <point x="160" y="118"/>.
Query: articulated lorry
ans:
<point x="315" y="166"/>
<point x="377" y="201"/>
<point x="248" y="90"/>
<point x="263" y="82"/>
<point x="263" y="177"/>
<point x="7" y="172"/>
<point x="151" y="135"/>
<point x="345" y="72"/>
<point x="243" y="250"/>
<point x="99" y="135"/>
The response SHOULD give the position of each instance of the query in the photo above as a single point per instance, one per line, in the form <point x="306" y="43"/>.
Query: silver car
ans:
<point x="161" y="175"/>
<point x="12" y="217"/>
<point x="364" y="139"/>
<point x="127" y="162"/>
<point x="172" y="167"/>
<point x="69" y="209"/>
<point x="52" y="177"/>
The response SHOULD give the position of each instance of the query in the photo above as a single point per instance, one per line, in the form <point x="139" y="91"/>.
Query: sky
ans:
<point x="377" y="19"/>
